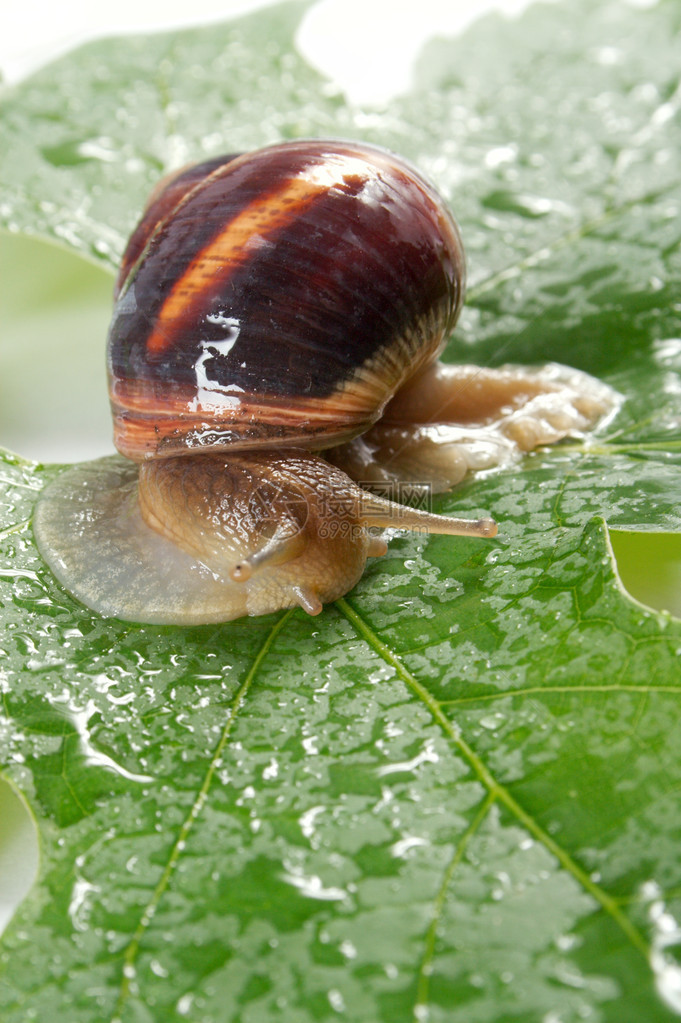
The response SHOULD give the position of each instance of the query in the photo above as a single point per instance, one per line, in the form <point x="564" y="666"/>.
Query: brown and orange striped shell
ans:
<point x="279" y="298"/>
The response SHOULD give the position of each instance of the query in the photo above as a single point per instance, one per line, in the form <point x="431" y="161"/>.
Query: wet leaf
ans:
<point x="452" y="797"/>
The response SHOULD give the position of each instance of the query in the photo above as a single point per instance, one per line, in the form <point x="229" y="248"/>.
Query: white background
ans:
<point x="338" y="36"/>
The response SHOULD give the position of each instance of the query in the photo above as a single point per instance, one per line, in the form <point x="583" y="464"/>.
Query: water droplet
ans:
<point x="493" y="721"/>
<point x="336" y="1000"/>
<point x="184" y="1004"/>
<point x="401" y="848"/>
<point x="664" y="949"/>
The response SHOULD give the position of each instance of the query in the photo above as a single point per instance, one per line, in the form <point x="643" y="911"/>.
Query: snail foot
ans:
<point x="458" y="419"/>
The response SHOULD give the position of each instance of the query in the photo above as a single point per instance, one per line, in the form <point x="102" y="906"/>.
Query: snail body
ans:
<point x="243" y="534"/>
<point x="271" y="306"/>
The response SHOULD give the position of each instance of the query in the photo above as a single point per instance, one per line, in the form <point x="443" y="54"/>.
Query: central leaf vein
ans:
<point x="493" y="786"/>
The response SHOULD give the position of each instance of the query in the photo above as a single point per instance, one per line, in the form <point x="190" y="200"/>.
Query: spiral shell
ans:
<point x="279" y="298"/>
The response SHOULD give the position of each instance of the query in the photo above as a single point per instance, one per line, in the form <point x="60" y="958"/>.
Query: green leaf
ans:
<point x="453" y="796"/>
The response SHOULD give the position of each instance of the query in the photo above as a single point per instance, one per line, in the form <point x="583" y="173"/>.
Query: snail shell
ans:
<point x="282" y="298"/>
<point x="269" y="306"/>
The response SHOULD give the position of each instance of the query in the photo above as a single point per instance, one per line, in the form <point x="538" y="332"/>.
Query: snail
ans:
<point x="277" y="325"/>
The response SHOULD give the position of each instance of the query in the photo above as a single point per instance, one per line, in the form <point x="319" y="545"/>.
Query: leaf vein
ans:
<point x="19" y="527"/>
<point x="423" y="982"/>
<point x="609" y="687"/>
<point x="565" y="239"/>
<point x="132" y="949"/>
<point x="494" y="787"/>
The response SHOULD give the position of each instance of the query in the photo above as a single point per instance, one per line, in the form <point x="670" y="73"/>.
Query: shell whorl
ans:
<point x="277" y="298"/>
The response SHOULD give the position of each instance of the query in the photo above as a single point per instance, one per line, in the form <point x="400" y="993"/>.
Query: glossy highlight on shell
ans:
<point x="279" y="297"/>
